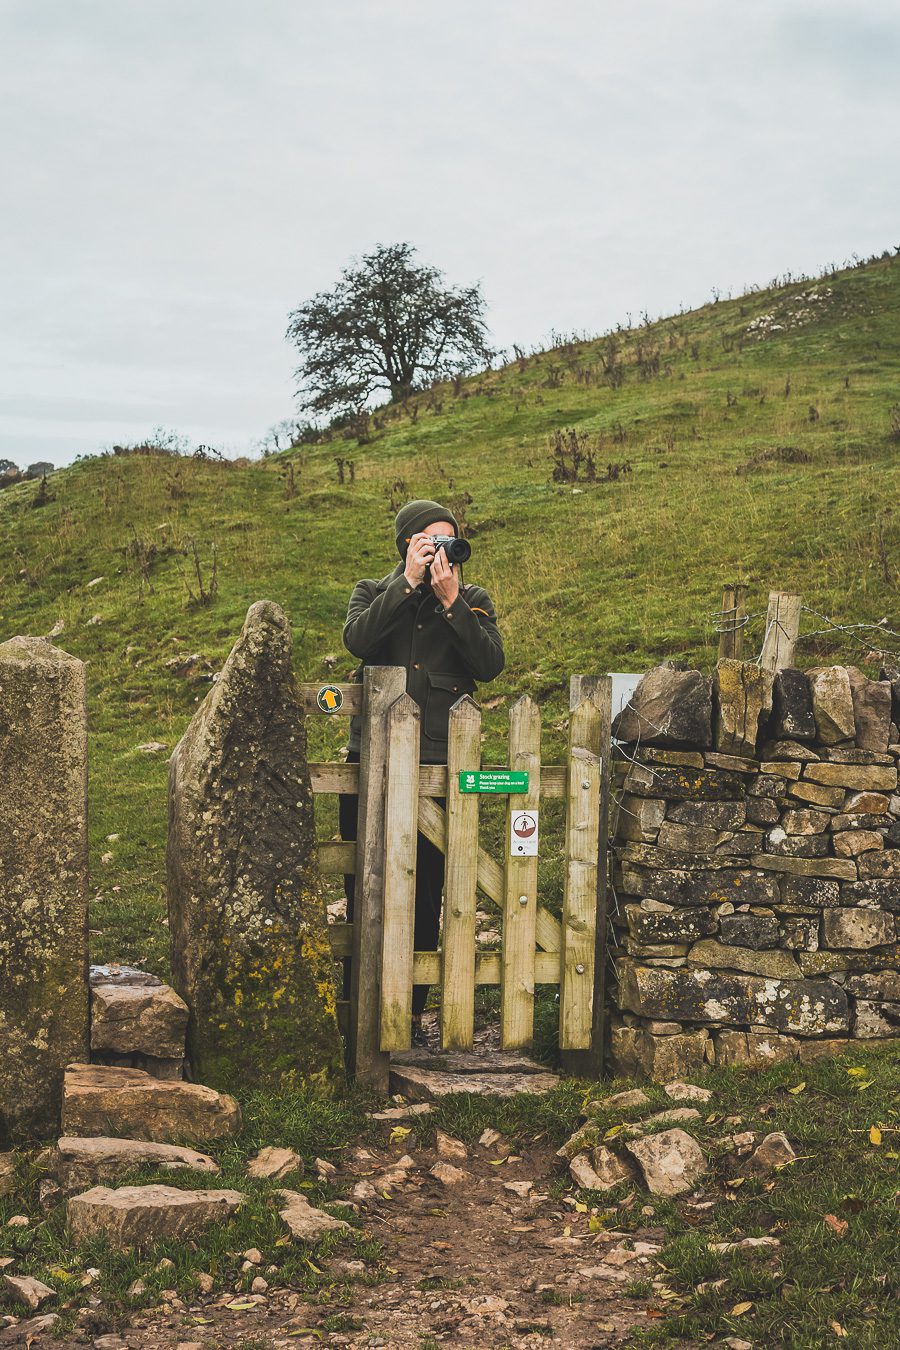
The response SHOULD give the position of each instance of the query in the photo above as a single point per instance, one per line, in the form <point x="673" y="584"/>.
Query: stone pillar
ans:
<point x="251" y="955"/>
<point x="43" y="881"/>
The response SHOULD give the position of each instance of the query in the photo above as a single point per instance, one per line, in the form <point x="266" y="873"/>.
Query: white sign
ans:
<point x="523" y="834"/>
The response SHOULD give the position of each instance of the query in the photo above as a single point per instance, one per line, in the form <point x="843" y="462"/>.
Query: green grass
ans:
<point x="618" y="575"/>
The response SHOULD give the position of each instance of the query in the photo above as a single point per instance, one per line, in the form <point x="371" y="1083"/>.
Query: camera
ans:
<point x="456" y="550"/>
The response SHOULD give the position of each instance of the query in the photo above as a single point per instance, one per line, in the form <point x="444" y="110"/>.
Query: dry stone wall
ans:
<point x="756" y="867"/>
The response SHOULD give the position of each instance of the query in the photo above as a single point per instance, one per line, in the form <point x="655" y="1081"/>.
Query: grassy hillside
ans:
<point x="753" y="438"/>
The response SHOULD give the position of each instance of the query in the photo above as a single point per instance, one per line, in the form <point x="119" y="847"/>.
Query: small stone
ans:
<point x="447" y="1174"/>
<point x="27" y="1290"/>
<point x="136" y="1289"/>
<point x="583" y="1174"/>
<point x="17" y="1221"/>
<point x="253" y="1256"/>
<point x="671" y="1162"/>
<point x="402" y="1112"/>
<point x="773" y="1152"/>
<point x="792" y="708"/>
<point x="205" y="1282"/>
<point x="489" y="1137"/>
<point x="127" y="1019"/>
<point x="873" y="1020"/>
<point x="884" y="864"/>
<point x="450" y="1149"/>
<point x="165" y="1264"/>
<point x="803" y="820"/>
<point x="259" y="1285"/>
<point x="325" y="1170"/>
<point x="520" y="1188"/>
<point x="7" y="1174"/>
<point x="623" y="1101"/>
<point x="609" y="1169"/>
<point x="686" y="1092"/>
<point x="747" y="1244"/>
<point x="868" y="803"/>
<point x="304" y="1221"/>
<point x="274" y="1163"/>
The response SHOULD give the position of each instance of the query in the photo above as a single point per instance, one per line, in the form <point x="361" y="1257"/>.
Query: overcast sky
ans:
<point x="179" y="174"/>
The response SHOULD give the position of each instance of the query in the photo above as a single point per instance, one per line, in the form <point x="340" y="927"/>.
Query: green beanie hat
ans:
<point x="414" y="516"/>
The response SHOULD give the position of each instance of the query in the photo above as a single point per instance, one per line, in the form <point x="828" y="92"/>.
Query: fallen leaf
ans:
<point x="399" y="1133"/>
<point x="580" y="1207"/>
<point x="861" y="1087"/>
<point x="856" y="1073"/>
<point x="795" y="1091"/>
<point x="838" y="1226"/>
<point x="740" y="1308"/>
<point x="240" y="1307"/>
<point x="838" y="1329"/>
<point x="314" y="1267"/>
<point x="874" y="1135"/>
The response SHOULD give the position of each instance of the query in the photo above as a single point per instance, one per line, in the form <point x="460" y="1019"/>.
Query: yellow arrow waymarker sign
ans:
<point x="329" y="698"/>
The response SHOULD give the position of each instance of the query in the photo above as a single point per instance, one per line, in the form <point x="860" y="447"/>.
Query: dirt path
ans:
<point x="471" y="1263"/>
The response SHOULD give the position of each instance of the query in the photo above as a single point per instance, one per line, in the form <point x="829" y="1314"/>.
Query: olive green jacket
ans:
<point x="390" y="623"/>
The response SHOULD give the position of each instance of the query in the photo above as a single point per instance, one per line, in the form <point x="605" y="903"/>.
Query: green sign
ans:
<point x="503" y="780"/>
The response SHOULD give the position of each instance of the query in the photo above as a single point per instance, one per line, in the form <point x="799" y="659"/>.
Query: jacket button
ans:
<point x="415" y="665"/>
<point x="418" y="625"/>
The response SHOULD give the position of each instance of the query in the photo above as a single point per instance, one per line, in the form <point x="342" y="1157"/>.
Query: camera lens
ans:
<point x="458" y="550"/>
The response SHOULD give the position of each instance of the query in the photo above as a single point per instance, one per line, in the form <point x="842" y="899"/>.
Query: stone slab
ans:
<point x="421" y="1085"/>
<point x="137" y="1216"/>
<point x="126" y="1102"/>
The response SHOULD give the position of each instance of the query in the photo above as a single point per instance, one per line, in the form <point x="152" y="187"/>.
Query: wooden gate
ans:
<point x="397" y="800"/>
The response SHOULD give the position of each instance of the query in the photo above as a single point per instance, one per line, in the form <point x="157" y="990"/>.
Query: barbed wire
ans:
<point x="728" y="620"/>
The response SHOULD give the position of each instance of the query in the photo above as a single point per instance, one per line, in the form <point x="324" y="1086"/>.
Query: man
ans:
<point x="445" y="634"/>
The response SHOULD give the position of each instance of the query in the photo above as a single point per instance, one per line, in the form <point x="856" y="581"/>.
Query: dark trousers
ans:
<point x="429" y="888"/>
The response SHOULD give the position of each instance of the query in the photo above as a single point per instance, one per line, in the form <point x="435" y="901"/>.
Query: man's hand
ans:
<point x="418" y="558"/>
<point x="444" y="581"/>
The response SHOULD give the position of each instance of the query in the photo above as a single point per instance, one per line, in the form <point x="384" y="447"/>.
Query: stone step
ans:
<point x="140" y="1215"/>
<point x="102" y="1101"/>
<point x="420" y="1084"/>
<point x="79" y="1163"/>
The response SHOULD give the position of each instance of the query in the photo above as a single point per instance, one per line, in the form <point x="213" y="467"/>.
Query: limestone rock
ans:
<point x="687" y="838"/>
<point x="636" y="1053"/>
<point x="100" y="1101"/>
<point x="881" y="986"/>
<point x="857" y="929"/>
<point x="883" y="864"/>
<point x="858" y="777"/>
<point x="79" y="1163"/>
<point x="427" y="1084"/>
<point x="792" y="707"/>
<point x="802" y="820"/>
<point x="881" y="891"/>
<point x="148" y="1019"/>
<point x="871" y="710"/>
<point x="671" y="1162"/>
<point x="27" y="1290"/>
<point x="818" y="794"/>
<point x="683" y="886"/>
<point x="274" y="1163"/>
<point x="7" y="1174"/>
<point x="774" y="962"/>
<point x="304" y="1221"/>
<point x="749" y="930"/>
<point x="810" y="892"/>
<point x="742" y="693"/>
<point x="601" y="1172"/>
<point x="43" y="881"/>
<point x="639" y="818"/>
<point x="710" y="815"/>
<point x="841" y="868"/>
<point x="448" y="1148"/>
<point x="832" y="704"/>
<point x="447" y="1174"/>
<point x="137" y="1216"/>
<point x="876" y="1019"/>
<point x="851" y="843"/>
<point x="668" y="707"/>
<point x="799" y="1007"/>
<point x="753" y="1049"/>
<point x="686" y="1092"/>
<point x="773" y="1152"/>
<point x="621" y="1101"/>
<point x="679" y="926"/>
<point x="250" y="947"/>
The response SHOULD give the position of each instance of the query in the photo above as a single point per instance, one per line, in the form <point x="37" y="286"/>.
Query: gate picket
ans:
<point x="520" y="885"/>
<point x="461" y="875"/>
<point x="400" y="832"/>
<point x="580" y="897"/>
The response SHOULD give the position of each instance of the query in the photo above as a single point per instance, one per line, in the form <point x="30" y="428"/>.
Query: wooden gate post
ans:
<point x="369" y="1064"/>
<point x="520" y="885"/>
<point x="734" y="610"/>
<point x="588" y="1062"/>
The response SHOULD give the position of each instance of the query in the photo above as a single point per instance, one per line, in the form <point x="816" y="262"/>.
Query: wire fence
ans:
<point x="866" y="636"/>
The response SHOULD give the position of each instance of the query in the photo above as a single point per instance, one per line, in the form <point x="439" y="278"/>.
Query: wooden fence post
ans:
<point x="588" y="1063"/>
<point x="401" y="813"/>
<point x="520" y="885"/>
<point x="782" y="631"/>
<point x="734" y="608"/>
<point x="458" y="946"/>
<point x="369" y="1064"/>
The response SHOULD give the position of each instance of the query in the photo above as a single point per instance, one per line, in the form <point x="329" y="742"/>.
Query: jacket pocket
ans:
<point x="443" y="691"/>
